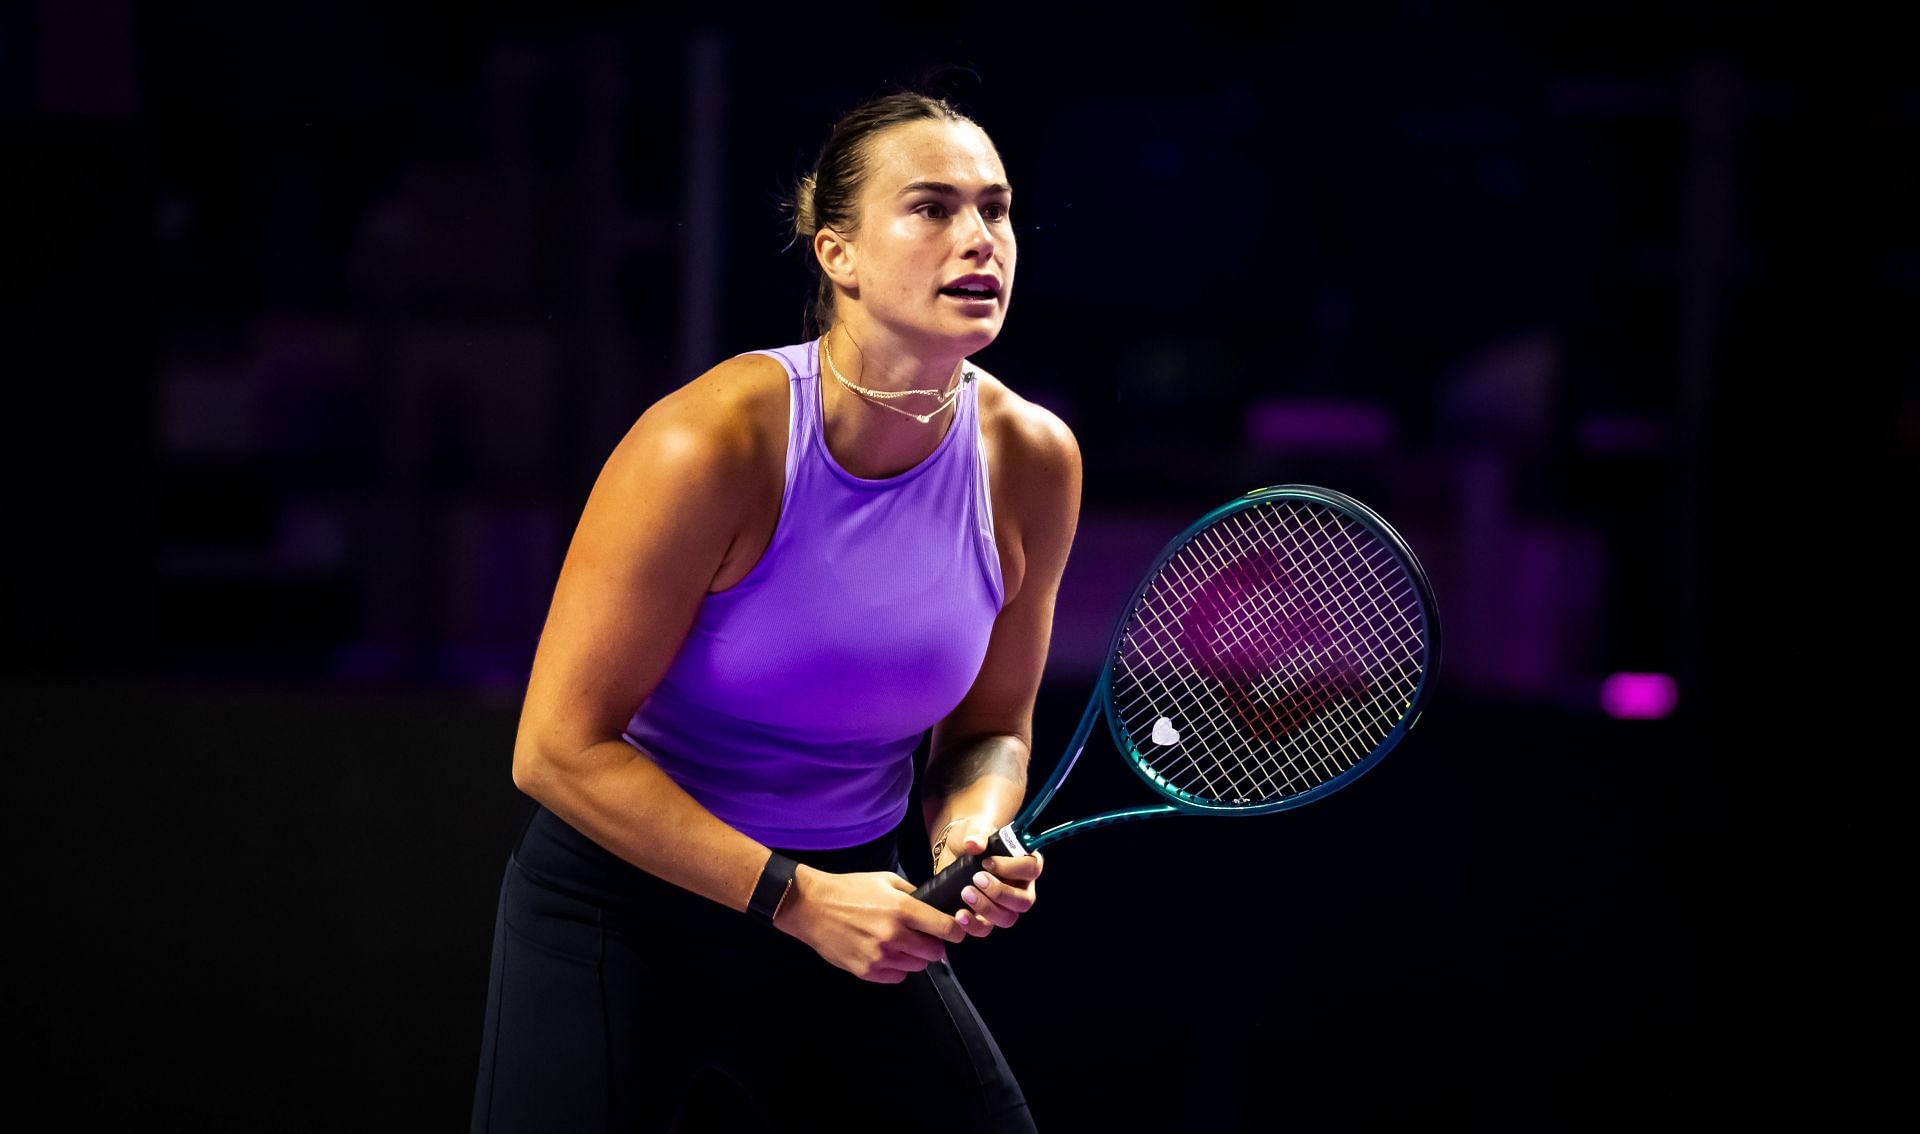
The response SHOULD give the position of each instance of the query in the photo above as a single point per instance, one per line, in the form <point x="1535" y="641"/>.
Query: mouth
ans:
<point x="980" y="288"/>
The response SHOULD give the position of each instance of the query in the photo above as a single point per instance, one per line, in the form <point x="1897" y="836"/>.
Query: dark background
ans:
<point x="333" y="312"/>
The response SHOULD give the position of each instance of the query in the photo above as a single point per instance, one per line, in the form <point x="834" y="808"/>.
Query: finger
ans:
<point x="1022" y="869"/>
<point x="974" y="842"/>
<point x="974" y="924"/>
<point x="1008" y="885"/>
<point x="933" y="923"/>
<point x="914" y="952"/>
<point x="997" y="897"/>
<point x="988" y="910"/>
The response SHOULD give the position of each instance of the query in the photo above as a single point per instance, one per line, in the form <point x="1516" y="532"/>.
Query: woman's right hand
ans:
<point x="869" y="924"/>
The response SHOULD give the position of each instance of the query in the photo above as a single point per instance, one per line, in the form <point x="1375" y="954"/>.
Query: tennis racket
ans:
<point x="1276" y="650"/>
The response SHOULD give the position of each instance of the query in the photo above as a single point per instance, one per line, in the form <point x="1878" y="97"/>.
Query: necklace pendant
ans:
<point x="923" y="418"/>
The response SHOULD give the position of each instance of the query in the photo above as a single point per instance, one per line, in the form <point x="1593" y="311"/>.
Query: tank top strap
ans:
<point x="802" y="364"/>
<point x="983" y="491"/>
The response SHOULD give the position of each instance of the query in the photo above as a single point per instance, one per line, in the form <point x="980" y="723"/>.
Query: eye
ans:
<point x="933" y="209"/>
<point x="996" y="212"/>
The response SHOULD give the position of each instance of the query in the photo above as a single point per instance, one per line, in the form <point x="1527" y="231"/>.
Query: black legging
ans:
<point x="621" y="1002"/>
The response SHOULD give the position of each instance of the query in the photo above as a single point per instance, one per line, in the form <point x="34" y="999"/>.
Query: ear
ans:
<point x="836" y="256"/>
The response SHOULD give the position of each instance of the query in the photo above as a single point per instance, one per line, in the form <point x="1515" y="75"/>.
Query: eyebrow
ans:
<point x="949" y="190"/>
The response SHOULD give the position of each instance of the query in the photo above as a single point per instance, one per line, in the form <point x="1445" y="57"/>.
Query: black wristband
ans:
<point x="775" y="879"/>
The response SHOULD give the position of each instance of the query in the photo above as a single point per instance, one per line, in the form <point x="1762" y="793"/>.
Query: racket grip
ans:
<point x="942" y="891"/>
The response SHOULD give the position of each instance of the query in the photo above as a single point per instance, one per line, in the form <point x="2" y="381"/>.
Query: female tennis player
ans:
<point x="786" y="573"/>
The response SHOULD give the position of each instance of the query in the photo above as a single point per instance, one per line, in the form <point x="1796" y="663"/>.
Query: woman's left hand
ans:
<point x="1002" y="889"/>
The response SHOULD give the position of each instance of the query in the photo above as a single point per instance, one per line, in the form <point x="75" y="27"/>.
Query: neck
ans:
<point x="873" y="358"/>
<point x="869" y="439"/>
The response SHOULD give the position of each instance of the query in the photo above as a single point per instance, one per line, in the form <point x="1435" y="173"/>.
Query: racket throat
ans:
<point x="1096" y="711"/>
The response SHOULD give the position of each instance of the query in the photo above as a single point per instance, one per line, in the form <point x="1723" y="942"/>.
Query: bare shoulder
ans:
<point x="712" y="432"/>
<point x="1029" y="438"/>
<point x="1033" y="458"/>
<point x="1033" y="470"/>
<point x="1033" y="467"/>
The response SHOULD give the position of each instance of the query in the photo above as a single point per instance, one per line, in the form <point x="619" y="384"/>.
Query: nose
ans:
<point x="976" y="235"/>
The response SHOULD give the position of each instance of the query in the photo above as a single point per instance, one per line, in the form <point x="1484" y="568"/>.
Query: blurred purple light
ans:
<point x="1638" y="696"/>
<point x="1325" y="427"/>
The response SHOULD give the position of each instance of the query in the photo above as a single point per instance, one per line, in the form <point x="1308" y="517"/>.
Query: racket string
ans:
<point x="1273" y="675"/>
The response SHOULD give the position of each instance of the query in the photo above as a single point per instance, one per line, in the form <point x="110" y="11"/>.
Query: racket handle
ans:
<point x="942" y="891"/>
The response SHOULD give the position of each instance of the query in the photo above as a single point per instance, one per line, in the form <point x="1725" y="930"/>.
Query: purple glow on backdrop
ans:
<point x="1341" y="427"/>
<point x="1638" y="696"/>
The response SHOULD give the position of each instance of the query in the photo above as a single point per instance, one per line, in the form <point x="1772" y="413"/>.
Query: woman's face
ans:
<point x="934" y="253"/>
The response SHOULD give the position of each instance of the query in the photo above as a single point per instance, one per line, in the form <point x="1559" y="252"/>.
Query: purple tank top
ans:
<point x="793" y="707"/>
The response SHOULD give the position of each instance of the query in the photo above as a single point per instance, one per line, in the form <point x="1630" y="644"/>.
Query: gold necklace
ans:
<point x="884" y="398"/>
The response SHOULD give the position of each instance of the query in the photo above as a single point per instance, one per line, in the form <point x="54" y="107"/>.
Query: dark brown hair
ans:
<point x="828" y="195"/>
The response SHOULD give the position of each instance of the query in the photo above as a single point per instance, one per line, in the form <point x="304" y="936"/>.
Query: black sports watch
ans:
<point x="776" y="878"/>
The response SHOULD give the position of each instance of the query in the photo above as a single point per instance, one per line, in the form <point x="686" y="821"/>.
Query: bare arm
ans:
<point x="976" y="773"/>
<point x="655" y="529"/>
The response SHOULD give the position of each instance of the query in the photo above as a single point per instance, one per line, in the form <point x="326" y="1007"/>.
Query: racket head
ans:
<point x="1276" y="650"/>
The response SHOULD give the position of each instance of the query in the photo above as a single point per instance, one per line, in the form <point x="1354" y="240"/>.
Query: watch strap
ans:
<point x="776" y="878"/>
